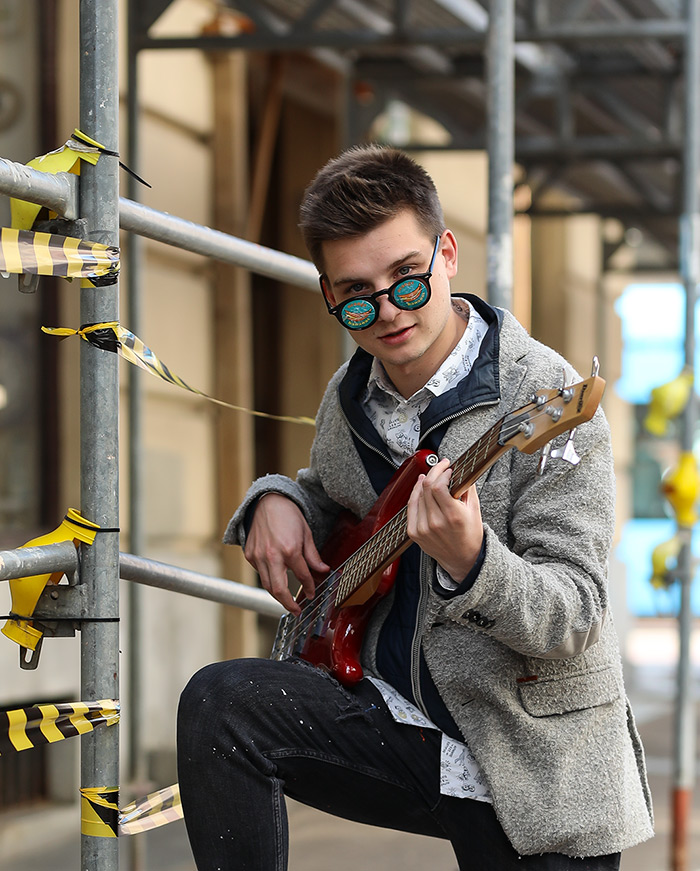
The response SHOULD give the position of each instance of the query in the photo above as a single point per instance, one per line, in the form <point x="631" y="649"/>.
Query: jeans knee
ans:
<point x="218" y="688"/>
<point x="195" y="692"/>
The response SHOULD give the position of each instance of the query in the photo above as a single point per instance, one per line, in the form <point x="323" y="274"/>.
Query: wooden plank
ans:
<point x="232" y="330"/>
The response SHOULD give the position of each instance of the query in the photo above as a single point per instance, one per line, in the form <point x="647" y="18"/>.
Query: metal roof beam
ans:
<point x="554" y="150"/>
<point x="670" y="30"/>
<point x="604" y="210"/>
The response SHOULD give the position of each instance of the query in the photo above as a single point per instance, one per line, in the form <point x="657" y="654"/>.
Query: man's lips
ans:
<point x="396" y="336"/>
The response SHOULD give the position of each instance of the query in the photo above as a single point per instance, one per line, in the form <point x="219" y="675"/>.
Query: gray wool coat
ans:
<point x="527" y="660"/>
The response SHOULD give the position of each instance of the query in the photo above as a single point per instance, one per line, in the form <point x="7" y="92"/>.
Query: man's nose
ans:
<point x="387" y="309"/>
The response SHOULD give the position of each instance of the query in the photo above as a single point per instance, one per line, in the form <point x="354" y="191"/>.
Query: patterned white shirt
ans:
<point x="460" y="773"/>
<point x="397" y="420"/>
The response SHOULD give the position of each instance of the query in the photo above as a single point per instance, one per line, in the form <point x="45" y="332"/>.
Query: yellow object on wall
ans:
<point x="681" y="487"/>
<point x="668" y="401"/>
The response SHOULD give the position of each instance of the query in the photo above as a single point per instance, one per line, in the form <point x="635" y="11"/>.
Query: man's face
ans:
<point x="411" y="344"/>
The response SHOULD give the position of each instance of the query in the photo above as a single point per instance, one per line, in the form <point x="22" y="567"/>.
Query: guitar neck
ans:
<point x="392" y="539"/>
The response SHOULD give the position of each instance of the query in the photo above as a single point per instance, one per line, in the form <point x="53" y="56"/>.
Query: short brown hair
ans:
<point x="359" y="190"/>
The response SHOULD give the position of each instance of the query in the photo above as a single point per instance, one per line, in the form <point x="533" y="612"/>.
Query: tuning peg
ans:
<point x="568" y="451"/>
<point x="544" y="456"/>
<point x="595" y="367"/>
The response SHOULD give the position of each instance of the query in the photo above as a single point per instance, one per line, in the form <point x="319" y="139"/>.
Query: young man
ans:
<point x="493" y="712"/>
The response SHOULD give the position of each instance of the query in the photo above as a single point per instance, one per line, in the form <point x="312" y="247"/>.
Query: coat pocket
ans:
<point x="543" y="698"/>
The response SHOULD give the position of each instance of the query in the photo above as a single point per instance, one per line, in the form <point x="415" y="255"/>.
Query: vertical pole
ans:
<point x="99" y="416"/>
<point x="500" y="136"/>
<point x="136" y="760"/>
<point x="684" y="750"/>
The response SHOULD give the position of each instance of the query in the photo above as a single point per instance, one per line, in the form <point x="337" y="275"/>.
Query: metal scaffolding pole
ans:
<point x="684" y="749"/>
<point x="500" y="78"/>
<point x="99" y="416"/>
<point x="137" y="767"/>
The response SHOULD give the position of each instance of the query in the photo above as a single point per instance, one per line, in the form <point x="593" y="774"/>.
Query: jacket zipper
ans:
<point x="447" y="419"/>
<point x="454" y="416"/>
<point x="365" y="442"/>
<point x="418" y="633"/>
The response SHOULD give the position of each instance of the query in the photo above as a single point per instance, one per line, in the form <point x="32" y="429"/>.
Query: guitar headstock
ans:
<point x="550" y="413"/>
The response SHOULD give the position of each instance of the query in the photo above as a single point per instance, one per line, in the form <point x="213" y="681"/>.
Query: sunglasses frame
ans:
<point x="371" y="298"/>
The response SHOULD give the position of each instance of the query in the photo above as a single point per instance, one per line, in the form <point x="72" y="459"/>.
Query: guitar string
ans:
<point x="312" y="608"/>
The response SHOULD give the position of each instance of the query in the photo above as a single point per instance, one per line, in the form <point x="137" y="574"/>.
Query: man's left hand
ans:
<point x="449" y="530"/>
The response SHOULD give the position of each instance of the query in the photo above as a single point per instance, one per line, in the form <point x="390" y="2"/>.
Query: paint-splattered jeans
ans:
<point x="252" y="731"/>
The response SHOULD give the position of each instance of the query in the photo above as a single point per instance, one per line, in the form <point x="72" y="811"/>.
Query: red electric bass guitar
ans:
<point x="363" y="554"/>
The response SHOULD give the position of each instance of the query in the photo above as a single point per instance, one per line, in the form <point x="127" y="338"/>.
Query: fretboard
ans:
<point x="392" y="539"/>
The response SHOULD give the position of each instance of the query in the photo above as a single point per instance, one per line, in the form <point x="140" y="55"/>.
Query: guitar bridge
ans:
<point x="280" y="647"/>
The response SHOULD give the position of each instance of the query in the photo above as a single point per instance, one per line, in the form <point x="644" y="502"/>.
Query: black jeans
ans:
<point x="251" y="731"/>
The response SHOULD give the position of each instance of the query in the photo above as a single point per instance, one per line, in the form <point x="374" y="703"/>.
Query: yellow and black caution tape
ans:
<point x="64" y="159"/>
<point x="25" y="728"/>
<point x="156" y="809"/>
<point x="67" y="158"/>
<point x="26" y="251"/>
<point x="101" y="817"/>
<point x="25" y="592"/>
<point x="111" y="336"/>
<point x="99" y="811"/>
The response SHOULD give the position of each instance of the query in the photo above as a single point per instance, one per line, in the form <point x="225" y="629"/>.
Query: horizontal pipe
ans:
<point x="59" y="191"/>
<point x="667" y="29"/>
<point x="212" y="243"/>
<point x="24" y="562"/>
<point x="177" y="580"/>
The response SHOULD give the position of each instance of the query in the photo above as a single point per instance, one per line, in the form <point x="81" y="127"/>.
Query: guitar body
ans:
<point x="330" y="636"/>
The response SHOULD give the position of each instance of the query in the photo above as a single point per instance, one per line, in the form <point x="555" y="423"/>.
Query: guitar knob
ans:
<point x="432" y="460"/>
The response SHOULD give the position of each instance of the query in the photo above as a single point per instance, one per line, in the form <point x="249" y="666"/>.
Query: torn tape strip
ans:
<point x="111" y="336"/>
<point x="156" y="809"/>
<point x="25" y="728"/>
<point x="99" y="811"/>
<point x="81" y="138"/>
<point x="26" y="251"/>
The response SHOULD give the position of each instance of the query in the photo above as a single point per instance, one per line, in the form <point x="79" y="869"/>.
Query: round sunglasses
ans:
<point x="409" y="293"/>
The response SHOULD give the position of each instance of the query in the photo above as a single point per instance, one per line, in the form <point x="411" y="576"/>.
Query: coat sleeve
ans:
<point x="542" y="588"/>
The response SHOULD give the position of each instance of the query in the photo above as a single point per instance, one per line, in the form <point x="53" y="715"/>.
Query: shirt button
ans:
<point x="402" y="417"/>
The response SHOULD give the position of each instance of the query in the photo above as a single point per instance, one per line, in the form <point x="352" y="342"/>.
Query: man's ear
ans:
<point x="326" y="291"/>
<point x="448" y="251"/>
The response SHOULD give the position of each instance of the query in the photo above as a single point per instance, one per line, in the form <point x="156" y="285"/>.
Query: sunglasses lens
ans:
<point x="357" y="314"/>
<point x="411" y="294"/>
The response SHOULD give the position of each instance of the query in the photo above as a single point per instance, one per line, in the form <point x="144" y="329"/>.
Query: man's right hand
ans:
<point x="280" y="539"/>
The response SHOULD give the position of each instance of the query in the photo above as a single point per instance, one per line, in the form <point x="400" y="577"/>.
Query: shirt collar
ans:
<point x="457" y="364"/>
